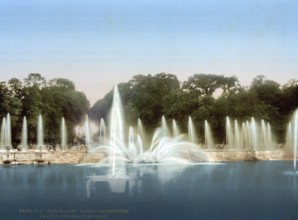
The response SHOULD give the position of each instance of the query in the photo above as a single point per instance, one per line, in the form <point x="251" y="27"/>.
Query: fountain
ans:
<point x="229" y="133"/>
<point x="102" y="132"/>
<point x="116" y="128"/>
<point x="292" y="137"/>
<point x="264" y="141"/>
<point x="40" y="144"/>
<point x="87" y="132"/>
<point x="164" y="127"/>
<point x="191" y="131"/>
<point x="135" y="145"/>
<point x="208" y="135"/>
<point x="163" y="148"/>
<point x="140" y="127"/>
<point x="120" y="143"/>
<point x="176" y="131"/>
<point x="157" y="173"/>
<point x="254" y="133"/>
<point x="237" y="140"/>
<point x="6" y="133"/>
<point x="295" y="134"/>
<point x="250" y="135"/>
<point x="3" y="133"/>
<point x="246" y="135"/>
<point x="6" y="146"/>
<point x="269" y="137"/>
<point x="24" y="141"/>
<point x="140" y="136"/>
<point x="63" y="134"/>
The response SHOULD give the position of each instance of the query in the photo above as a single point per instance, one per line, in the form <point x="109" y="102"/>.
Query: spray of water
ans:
<point x="40" y="143"/>
<point x="24" y="141"/>
<point x="63" y="134"/>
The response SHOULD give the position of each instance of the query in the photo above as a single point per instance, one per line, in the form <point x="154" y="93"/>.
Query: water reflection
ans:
<point x="294" y="182"/>
<point x="130" y="178"/>
<point x="116" y="183"/>
<point x="261" y="190"/>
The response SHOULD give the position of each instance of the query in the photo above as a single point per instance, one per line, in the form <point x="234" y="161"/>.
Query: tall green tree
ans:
<point x="142" y="97"/>
<point x="206" y="84"/>
<point x="289" y="99"/>
<point x="53" y="99"/>
<point x="270" y="94"/>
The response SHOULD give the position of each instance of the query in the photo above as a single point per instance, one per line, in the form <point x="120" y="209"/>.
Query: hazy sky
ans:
<point x="97" y="43"/>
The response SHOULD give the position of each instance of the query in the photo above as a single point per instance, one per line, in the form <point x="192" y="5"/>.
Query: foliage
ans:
<point x="142" y="97"/>
<point x="54" y="99"/>
<point x="206" y="84"/>
<point x="148" y="97"/>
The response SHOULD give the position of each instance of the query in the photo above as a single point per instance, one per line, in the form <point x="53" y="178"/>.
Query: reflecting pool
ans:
<point x="236" y="190"/>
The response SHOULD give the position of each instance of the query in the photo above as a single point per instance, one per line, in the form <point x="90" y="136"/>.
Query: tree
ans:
<point x="206" y="84"/>
<point x="62" y="83"/>
<point x="290" y="94"/>
<point x="268" y="91"/>
<point x="11" y="103"/>
<point x="62" y="101"/>
<point x="35" y="96"/>
<point x="35" y="79"/>
<point x="142" y="97"/>
<point x="179" y="105"/>
<point x="32" y="104"/>
<point x="270" y="94"/>
<point x="147" y="96"/>
<point x="101" y="108"/>
<point x="16" y="88"/>
<point x="4" y="99"/>
<point x="150" y="96"/>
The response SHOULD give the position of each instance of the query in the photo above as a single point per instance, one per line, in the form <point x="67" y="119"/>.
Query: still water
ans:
<point x="238" y="190"/>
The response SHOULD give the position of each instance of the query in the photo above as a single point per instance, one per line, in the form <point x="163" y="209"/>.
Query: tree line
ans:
<point x="202" y="96"/>
<point x="148" y="97"/>
<point x="53" y="99"/>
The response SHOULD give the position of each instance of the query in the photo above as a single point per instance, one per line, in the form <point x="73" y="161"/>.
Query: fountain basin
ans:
<point x="234" y="190"/>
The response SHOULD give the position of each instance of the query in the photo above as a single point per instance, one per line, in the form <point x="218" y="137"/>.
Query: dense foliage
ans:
<point x="202" y="96"/>
<point x="148" y="97"/>
<point x="35" y="95"/>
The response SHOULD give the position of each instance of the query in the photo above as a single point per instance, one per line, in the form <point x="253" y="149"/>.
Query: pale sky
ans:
<point x="98" y="44"/>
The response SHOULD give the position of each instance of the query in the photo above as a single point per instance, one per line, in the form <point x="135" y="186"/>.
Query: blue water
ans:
<point x="238" y="190"/>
